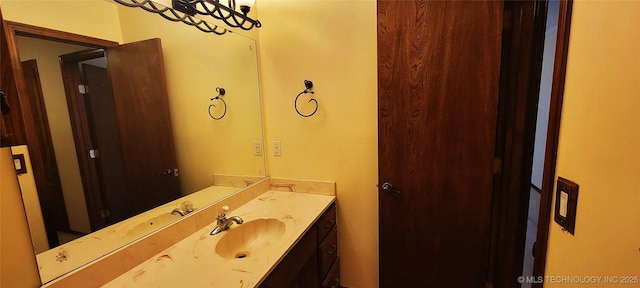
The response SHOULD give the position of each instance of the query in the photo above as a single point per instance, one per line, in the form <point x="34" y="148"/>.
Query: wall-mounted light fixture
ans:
<point x="217" y="10"/>
<point x="172" y="15"/>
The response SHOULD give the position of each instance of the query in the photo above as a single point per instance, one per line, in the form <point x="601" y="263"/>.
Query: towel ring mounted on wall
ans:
<point x="221" y="93"/>
<point x="308" y="86"/>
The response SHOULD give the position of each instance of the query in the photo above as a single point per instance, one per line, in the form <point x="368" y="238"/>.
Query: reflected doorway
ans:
<point x="57" y="204"/>
<point x="542" y="124"/>
<point x="85" y="126"/>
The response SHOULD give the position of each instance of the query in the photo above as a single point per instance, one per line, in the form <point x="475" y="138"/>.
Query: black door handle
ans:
<point x="389" y="189"/>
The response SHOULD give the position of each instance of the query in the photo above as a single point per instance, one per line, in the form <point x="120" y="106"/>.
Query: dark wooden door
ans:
<point x="12" y="125"/>
<point x="438" y="73"/>
<point x="41" y="151"/>
<point x="104" y="130"/>
<point x="142" y="111"/>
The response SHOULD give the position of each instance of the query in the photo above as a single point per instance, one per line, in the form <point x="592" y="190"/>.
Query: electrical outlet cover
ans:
<point x="566" y="204"/>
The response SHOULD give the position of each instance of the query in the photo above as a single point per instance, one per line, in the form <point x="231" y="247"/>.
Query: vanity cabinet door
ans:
<point x="291" y="267"/>
<point x="308" y="277"/>
<point x="313" y="262"/>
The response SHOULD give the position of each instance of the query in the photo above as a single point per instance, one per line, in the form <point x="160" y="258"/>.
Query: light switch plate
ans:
<point x="257" y="147"/>
<point x="276" y="148"/>
<point x="566" y="204"/>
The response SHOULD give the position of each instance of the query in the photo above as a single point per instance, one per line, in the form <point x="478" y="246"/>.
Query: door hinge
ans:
<point x="83" y="89"/>
<point x="497" y="165"/>
<point x="105" y="213"/>
<point x="94" y="153"/>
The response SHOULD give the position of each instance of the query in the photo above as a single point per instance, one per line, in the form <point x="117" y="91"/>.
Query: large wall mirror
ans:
<point x="129" y="138"/>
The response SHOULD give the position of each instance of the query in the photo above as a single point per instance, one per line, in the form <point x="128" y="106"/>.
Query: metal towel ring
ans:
<point x="308" y="86"/>
<point x="221" y="93"/>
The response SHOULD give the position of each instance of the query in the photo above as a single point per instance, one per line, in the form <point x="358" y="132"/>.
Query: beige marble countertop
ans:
<point x="66" y="257"/>
<point x="193" y="261"/>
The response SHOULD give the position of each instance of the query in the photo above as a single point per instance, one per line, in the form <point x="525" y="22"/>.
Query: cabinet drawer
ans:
<point x="328" y="252"/>
<point x="333" y="278"/>
<point x="326" y="222"/>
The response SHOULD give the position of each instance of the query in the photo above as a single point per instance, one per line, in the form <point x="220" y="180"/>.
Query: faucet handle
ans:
<point x="187" y="206"/>
<point x="223" y="211"/>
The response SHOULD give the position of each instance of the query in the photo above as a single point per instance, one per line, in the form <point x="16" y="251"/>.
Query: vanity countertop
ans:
<point x="194" y="262"/>
<point x="66" y="257"/>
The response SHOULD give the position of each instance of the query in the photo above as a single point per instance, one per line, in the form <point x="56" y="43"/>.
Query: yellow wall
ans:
<point x="95" y="18"/>
<point x="599" y="144"/>
<point x="333" y="44"/>
<point x="17" y="265"/>
<point x="46" y="54"/>
<point x="31" y="202"/>
<point x="196" y="63"/>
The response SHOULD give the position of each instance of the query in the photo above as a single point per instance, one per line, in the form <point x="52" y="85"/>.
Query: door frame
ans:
<point x="521" y="64"/>
<point x="524" y="25"/>
<point x="83" y="134"/>
<point x="14" y="29"/>
<point x="553" y="135"/>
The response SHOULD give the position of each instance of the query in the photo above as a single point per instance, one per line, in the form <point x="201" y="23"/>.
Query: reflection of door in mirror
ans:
<point x="42" y="151"/>
<point x="101" y="113"/>
<point x="123" y="179"/>
<point x="92" y="113"/>
<point x="144" y="121"/>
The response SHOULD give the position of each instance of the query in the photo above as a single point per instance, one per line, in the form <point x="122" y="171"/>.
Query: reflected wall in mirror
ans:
<point x="212" y="158"/>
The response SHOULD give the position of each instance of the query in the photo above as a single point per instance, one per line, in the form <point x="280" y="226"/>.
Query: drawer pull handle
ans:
<point x="332" y="249"/>
<point x="330" y="223"/>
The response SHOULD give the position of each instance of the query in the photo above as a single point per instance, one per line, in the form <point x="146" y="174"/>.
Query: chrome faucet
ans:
<point x="185" y="208"/>
<point x="223" y="222"/>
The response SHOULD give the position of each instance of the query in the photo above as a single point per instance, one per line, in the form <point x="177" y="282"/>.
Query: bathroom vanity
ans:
<point x="287" y="239"/>
<point x="313" y="261"/>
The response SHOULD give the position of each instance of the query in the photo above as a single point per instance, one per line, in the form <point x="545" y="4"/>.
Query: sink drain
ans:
<point x="242" y="255"/>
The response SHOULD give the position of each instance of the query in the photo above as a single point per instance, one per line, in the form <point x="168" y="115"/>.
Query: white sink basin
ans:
<point x="145" y="226"/>
<point x="251" y="238"/>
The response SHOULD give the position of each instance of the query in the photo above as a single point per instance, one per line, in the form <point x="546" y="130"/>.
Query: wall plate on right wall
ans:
<point x="566" y="204"/>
